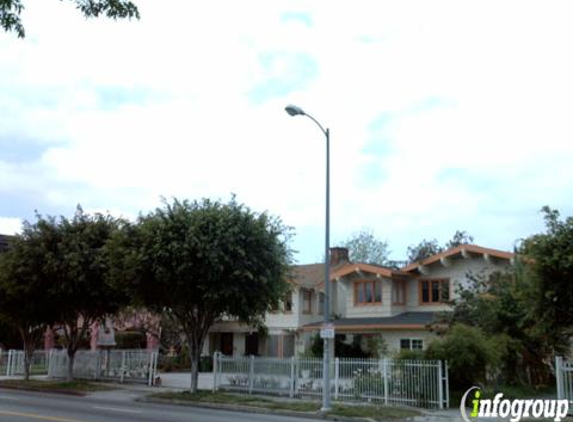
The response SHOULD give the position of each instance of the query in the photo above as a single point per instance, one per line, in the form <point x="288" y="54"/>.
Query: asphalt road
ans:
<point x="117" y="406"/>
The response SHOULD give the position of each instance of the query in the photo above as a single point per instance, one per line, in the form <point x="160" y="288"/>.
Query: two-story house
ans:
<point x="366" y="300"/>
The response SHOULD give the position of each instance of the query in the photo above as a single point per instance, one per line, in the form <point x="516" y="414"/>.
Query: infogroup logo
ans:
<point x="514" y="409"/>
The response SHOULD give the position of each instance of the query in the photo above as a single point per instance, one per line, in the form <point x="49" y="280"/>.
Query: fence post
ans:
<point x="336" y="376"/>
<point x="440" y="385"/>
<point x="9" y="365"/>
<point x="251" y="373"/>
<point x="122" y="367"/>
<point x="385" y="374"/>
<point x="558" y="376"/>
<point x="214" y="372"/>
<point x="291" y="393"/>
<point x="150" y="369"/>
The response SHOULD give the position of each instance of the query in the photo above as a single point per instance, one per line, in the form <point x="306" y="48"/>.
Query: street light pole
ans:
<point x="296" y="111"/>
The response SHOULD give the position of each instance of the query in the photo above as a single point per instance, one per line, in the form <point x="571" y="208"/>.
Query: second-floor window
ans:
<point x="368" y="292"/>
<point x="321" y="303"/>
<point x="288" y="302"/>
<point x="434" y="291"/>
<point x="306" y="301"/>
<point x="398" y="292"/>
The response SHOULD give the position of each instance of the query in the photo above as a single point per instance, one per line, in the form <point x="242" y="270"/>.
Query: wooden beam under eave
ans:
<point x="445" y="262"/>
<point x="465" y="254"/>
<point x="423" y="269"/>
<point x="487" y="258"/>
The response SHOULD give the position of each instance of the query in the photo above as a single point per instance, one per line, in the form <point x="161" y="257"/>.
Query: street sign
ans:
<point x="327" y="331"/>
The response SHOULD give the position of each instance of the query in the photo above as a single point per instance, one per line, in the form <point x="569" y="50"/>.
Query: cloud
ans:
<point x="443" y="116"/>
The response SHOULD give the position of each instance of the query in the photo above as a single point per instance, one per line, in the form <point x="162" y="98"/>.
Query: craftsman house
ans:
<point x="366" y="301"/>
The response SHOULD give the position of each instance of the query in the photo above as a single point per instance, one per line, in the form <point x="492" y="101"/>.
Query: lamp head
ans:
<point x="294" y="110"/>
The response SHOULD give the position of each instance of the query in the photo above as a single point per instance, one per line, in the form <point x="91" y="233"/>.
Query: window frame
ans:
<point x="441" y="300"/>
<point x="360" y="286"/>
<point x="411" y="340"/>
<point x="402" y="285"/>
<point x="306" y="310"/>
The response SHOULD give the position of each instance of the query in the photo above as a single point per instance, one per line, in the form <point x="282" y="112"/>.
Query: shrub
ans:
<point x="469" y="354"/>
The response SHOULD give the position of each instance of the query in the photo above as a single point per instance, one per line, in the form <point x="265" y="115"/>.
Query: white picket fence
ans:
<point x="135" y="366"/>
<point x="12" y="363"/>
<point x="420" y="383"/>
<point x="564" y="378"/>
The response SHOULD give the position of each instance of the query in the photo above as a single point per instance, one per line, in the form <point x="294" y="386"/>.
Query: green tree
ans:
<point x="80" y="266"/>
<point x="363" y="246"/>
<point x="427" y="248"/>
<point x="459" y="238"/>
<point x="25" y="293"/>
<point x="423" y="250"/>
<point x="197" y="261"/>
<point x="549" y="258"/>
<point x="10" y="11"/>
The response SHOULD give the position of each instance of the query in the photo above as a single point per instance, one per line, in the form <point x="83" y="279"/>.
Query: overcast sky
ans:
<point x="444" y="116"/>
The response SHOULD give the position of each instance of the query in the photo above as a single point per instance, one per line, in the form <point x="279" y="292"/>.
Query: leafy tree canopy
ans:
<point x="427" y="248"/>
<point x="57" y="272"/>
<point x="10" y="11"/>
<point x="550" y="257"/>
<point x="198" y="261"/>
<point x="363" y="246"/>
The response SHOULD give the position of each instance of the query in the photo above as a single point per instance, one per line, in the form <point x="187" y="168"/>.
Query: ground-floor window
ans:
<point x="280" y="346"/>
<point x="411" y="344"/>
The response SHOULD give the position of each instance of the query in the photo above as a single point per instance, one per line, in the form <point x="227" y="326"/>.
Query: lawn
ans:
<point x="363" y="411"/>
<point x="78" y="387"/>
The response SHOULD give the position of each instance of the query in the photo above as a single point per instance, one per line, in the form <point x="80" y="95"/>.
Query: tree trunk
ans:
<point x="194" y="372"/>
<point x="29" y="345"/>
<point x="71" y="357"/>
<point x="195" y="346"/>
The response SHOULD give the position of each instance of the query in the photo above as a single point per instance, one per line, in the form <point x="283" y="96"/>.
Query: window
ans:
<point x="434" y="291"/>
<point x="411" y="344"/>
<point x="398" y="292"/>
<point x="306" y="301"/>
<point x="321" y="303"/>
<point x="288" y="302"/>
<point x="368" y="292"/>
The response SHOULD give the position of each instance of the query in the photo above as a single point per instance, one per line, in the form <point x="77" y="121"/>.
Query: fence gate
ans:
<point x="564" y="377"/>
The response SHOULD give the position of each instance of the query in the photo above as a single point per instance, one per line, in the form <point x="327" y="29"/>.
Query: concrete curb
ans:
<point x="250" y="409"/>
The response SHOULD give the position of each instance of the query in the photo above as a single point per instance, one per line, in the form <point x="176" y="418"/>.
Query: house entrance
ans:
<point x="227" y="344"/>
<point x="252" y="344"/>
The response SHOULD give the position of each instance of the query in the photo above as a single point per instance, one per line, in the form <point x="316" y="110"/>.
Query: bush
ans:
<point x="469" y="354"/>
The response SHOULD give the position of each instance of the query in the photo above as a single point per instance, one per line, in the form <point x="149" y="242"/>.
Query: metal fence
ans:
<point x="137" y="366"/>
<point x="3" y="363"/>
<point x="12" y="363"/>
<point x="420" y="383"/>
<point x="564" y="378"/>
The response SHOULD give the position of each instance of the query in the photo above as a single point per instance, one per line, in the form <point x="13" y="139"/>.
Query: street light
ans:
<point x="297" y="111"/>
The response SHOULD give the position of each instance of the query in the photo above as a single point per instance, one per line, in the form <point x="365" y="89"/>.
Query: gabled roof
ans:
<point x="459" y="251"/>
<point x="378" y="270"/>
<point x="311" y="275"/>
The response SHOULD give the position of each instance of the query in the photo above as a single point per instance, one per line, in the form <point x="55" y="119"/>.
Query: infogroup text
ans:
<point x="514" y="409"/>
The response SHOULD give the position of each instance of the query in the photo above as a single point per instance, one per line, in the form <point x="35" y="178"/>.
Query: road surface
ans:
<point x="116" y="406"/>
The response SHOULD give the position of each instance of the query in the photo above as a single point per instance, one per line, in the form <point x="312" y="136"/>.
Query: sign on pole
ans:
<point x="327" y="331"/>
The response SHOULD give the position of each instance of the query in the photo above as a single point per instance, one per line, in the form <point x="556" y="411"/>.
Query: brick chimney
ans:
<point x="338" y="255"/>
